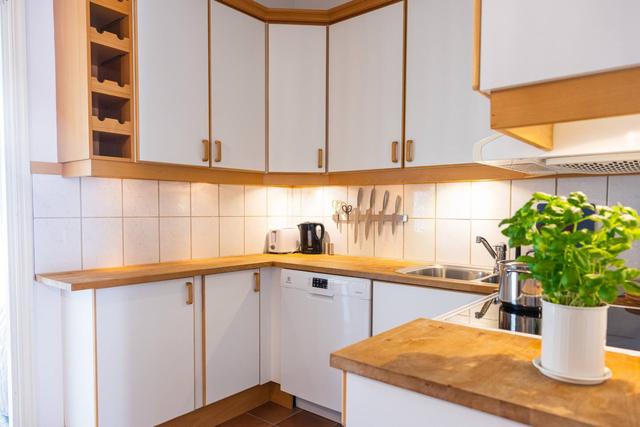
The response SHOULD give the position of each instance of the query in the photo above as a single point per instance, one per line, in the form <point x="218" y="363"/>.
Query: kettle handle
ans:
<point x="321" y="231"/>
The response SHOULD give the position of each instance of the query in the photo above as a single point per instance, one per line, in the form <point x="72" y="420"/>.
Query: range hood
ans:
<point x="601" y="146"/>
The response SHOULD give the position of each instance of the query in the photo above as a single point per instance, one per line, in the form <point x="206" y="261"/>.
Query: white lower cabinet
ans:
<point x="232" y="333"/>
<point x="395" y="304"/>
<point x="145" y="348"/>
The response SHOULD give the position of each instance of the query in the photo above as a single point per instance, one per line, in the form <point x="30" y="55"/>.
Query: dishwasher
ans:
<point x="320" y="314"/>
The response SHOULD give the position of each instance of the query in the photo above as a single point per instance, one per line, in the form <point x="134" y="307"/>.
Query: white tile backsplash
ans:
<point x="139" y="198"/>
<point x="56" y="197"/>
<point x="141" y="241"/>
<point x="490" y="199"/>
<point x="453" y="200"/>
<point x="102" y="242"/>
<point x="204" y="199"/>
<point x="118" y="223"/>
<point x="175" y="198"/>
<point x="175" y="238"/>
<point x="101" y="197"/>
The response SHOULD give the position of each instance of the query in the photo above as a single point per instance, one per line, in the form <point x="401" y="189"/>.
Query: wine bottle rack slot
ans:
<point x="111" y="145"/>
<point x="122" y="6"/>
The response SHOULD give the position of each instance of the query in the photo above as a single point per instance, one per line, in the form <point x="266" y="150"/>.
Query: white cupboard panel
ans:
<point x="232" y="334"/>
<point x="297" y="97"/>
<point x="173" y="80"/>
<point x="444" y="116"/>
<point x="145" y="342"/>
<point x="365" y="90"/>
<point x="525" y="42"/>
<point x="238" y="88"/>
<point x="395" y="304"/>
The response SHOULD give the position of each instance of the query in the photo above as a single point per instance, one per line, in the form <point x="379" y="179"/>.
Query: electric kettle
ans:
<point x="311" y="237"/>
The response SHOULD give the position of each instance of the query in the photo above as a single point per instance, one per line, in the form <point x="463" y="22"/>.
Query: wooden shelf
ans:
<point x="109" y="39"/>
<point x="121" y="6"/>
<point x="108" y="87"/>
<point x="110" y="126"/>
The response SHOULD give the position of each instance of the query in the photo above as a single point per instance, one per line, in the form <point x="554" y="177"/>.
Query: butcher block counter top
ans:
<point x="365" y="267"/>
<point x="492" y="371"/>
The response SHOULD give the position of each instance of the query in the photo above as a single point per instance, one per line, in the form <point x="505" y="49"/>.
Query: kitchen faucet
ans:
<point x="497" y="252"/>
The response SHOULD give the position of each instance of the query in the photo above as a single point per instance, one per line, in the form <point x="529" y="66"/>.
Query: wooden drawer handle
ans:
<point x="394" y="151"/>
<point x="256" y="278"/>
<point x="206" y="145"/>
<point x="189" y="293"/>
<point x="409" y="150"/>
<point x="218" y="157"/>
<point x="320" y="158"/>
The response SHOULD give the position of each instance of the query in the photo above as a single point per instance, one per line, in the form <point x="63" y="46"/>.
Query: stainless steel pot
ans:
<point x="514" y="288"/>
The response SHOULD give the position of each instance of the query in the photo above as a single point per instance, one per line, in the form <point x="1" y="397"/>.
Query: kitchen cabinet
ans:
<point x="526" y="42"/>
<point x="444" y="117"/>
<point x="395" y="304"/>
<point x="232" y="333"/>
<point x="238" y="114"/>
<point x="173" y="81"/>
<point x="365" y="91"/>
<point x="145" y="352"/>
<point x="297" y="98"/>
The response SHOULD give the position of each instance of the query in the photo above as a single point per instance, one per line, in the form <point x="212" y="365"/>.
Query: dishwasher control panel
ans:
<point x="319" y="283"/>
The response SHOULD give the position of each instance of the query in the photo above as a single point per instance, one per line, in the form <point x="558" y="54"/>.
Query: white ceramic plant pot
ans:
<point x="573" y="340"/>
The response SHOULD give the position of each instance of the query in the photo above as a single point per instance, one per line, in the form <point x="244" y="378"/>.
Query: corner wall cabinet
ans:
<point x="173" y="81"/>
<point x="238" y="89"/>
<point x="94" y="79"/>
<point x="365" y="91"/>
<point x="542" y="63"/>
<point x="297" y="98"/>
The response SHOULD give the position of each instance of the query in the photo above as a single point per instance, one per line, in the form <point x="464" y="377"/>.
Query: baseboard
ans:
<point x="226" y="409"/>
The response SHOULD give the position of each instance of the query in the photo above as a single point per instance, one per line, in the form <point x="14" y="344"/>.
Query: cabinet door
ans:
<point x="297" y="98"/>
<point x="232" y="334"/>
<point x="395" y="304"/>
<point x="365" y="90"/>
<point x="237" y="88"/>
<point x="525" y="42"/>
<point x="145" y="352"/>
<point x="444" y="116"/>
<point x="173" y="80"/>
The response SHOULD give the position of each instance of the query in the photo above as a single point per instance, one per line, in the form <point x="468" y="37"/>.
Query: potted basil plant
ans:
<point x="576" y="258"/>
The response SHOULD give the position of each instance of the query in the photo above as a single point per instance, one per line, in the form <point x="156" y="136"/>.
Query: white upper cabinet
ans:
<point x="444" y="116"/>
<point x="237" y="89"/>
<point x="297" y="98"/>
<point x="232" y="334"/>
<point x="173" y="80"/>
<point x="365" y="91"/>
<point x="528" y="41"/>
<point x="145" y="351"/>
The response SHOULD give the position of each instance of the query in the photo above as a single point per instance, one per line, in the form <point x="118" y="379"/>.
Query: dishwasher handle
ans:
<point x="325" y="293"/>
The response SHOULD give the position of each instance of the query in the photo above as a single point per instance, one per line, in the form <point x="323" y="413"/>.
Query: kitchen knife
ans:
<point x="367" y="224"/>
<point x="356" y="216"/>
<point x="385" y="202"/>
<point x="396" y="214"/>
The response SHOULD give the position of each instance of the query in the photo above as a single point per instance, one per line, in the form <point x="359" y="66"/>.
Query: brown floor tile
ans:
<point x="272" y="412"/>
<point x="306" y="419"/>
<point x="245" y="420"/>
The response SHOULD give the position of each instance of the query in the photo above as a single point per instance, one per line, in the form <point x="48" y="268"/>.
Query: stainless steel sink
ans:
<point x="448" y="272"/>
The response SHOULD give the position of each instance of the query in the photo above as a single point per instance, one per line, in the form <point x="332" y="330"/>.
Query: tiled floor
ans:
<point x="271" y="414"/>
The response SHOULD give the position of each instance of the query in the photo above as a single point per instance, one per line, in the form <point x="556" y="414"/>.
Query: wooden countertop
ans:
<point x="366" y="267"/>
<point x="491" y="371"/>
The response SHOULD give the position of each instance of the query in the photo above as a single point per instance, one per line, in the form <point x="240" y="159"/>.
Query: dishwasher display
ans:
<point x="320" y="314"/>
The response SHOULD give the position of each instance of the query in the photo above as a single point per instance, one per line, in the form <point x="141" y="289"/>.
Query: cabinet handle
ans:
<point x="394" y="151"/>
<point x="206" y="156"/>
<point x="256" y="278"/>
<point x="189" y="293"/>
<point x="320" y="158"/>
<point x="218" y="157"/>
<point x="409" y="151"/>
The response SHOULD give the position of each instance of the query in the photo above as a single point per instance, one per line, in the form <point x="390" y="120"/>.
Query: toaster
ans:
<point x="283" y="241"/>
